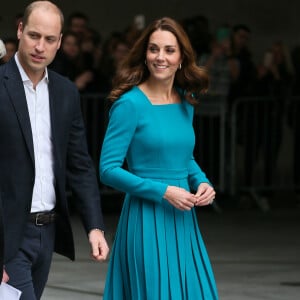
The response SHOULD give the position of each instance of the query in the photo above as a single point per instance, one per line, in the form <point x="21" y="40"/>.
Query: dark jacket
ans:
<point x="1" y="240"/>
<point x="72" y="164"/>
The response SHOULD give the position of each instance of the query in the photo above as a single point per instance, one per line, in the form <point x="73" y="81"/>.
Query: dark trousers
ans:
<point x="1" y="240"/>
<point x="28" y="270"/>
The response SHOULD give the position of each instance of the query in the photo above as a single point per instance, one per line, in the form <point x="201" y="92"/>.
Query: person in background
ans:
<point x="222" y="67"/>
<point x="43" y="149"/>
<point x="92" y="46"/>
<point x="223" y="70"/>
<point x="76" y="65"/>
<point x="158" y="251"/>
<point x="275" y="79"/>
<point x="244" y="84"/>
<point x="276" y="72"/>
<point x="78" y="22"/>
<point x="199" y="32"/>
<point x="11" y="45"/>
<point x="115" y="51"/>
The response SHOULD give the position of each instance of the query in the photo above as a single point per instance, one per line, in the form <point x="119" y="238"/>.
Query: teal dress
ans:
<point x="158" y="252"/>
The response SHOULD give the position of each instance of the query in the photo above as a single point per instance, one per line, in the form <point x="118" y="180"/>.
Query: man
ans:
<point x="43" y="148"/>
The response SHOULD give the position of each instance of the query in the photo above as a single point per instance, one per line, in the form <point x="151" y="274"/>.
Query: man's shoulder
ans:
<point x="3" y="68"/>
<point x="53" y="75"/>
<point x="9" y="70"/>
<point x="60" y="81"/>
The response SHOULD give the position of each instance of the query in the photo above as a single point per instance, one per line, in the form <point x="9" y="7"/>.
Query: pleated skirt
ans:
<point x="158" y="254"/>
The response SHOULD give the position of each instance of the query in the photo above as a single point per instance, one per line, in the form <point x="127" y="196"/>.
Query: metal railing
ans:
<point x="211" y="131"/>
<point x="253" y="148"/>
<point x="263" y="142"/>
<point x="95" y="108"/>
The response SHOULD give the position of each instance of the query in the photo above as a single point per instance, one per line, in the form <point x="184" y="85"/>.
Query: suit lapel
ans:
<point x="53" y="98"/>
<point x="55" y="113"/>
<point x="16" y="92"/>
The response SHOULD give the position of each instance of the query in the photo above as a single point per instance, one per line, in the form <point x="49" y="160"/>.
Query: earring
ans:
<point x="145" y="62"/>
<point x="179" y="67"/>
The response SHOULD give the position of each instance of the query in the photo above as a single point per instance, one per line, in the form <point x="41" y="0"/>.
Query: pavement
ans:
<point x="255" y="255"/>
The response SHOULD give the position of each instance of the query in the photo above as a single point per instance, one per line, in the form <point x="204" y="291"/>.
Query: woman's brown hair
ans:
<point x="133" y="71"/>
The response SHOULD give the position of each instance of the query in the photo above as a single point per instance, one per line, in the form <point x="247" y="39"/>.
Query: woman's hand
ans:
<point x="205" y="194"/>
<point x="180" y="198"/>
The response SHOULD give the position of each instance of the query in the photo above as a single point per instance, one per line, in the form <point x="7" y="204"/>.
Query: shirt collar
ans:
<point x="24" y="76"/>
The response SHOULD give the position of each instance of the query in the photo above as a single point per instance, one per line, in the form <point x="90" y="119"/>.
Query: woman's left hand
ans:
<point x="205" y="194"/>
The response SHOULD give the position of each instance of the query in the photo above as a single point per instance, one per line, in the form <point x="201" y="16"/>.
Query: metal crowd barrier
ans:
<point x="252" y="149"/>
<point x="210" y="130"/>
<point x="95" y="108"/>
<point x="264" y="146"/>
<point x="209" y="123"/>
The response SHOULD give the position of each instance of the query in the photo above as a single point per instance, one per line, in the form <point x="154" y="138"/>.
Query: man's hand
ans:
<point x="5" y="277"/>
<point x="99" y="247"/>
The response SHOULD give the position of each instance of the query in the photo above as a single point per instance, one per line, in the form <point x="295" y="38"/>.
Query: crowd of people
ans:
<point x="91" y="61"/>
<point x="153" y="77"/>
<point x="45" y="151"/>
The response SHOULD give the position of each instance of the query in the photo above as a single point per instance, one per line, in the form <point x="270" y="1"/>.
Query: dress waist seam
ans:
<point x="161" y="173"/>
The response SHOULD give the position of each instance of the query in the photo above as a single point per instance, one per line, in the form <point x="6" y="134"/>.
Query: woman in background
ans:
<point x="158" y="251"/>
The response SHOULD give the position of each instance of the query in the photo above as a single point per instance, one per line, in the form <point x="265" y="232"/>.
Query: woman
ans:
<point x="158" y="251"/>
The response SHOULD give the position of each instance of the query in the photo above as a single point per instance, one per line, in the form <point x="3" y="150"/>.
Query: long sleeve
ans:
<point x="81" y="173"/>
<point x="196" y="175"/>
<point x="123" y="123"/>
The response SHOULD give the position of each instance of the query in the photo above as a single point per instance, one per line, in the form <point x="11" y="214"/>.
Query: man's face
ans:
<point x="39" y="41"/>
<point x="79" y="26"/>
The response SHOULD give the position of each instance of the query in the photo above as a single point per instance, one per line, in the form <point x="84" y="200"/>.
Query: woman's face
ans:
<point x="163" y="55"/>
<point x="120" y="52"/>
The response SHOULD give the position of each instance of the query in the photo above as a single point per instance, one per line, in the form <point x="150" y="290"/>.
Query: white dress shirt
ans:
<point x="43" y="198"/>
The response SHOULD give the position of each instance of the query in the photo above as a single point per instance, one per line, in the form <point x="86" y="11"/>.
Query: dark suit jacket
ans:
<point x="1" y="240"/>
<point x="72" y="163"/>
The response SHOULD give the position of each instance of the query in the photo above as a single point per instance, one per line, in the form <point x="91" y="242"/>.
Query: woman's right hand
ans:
<point x="180" y="198"/>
